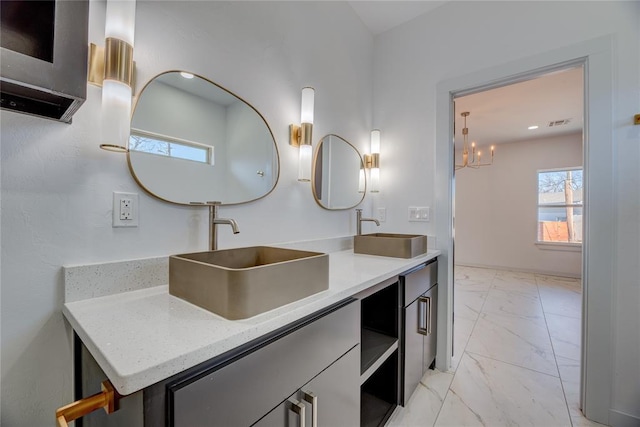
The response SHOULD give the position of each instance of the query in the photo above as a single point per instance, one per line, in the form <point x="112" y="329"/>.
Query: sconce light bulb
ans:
<point x="306" y="110"/>
<point x="375" y="180"/>
<point x="375" y="141"/>
<point x="120" y="22"/>
<point x="304" y="162"/>
<point x="116" y="113"/>
<point x="186" y="75"/>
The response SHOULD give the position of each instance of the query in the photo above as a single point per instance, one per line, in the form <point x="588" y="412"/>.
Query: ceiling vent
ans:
<point x="555" y="123"/>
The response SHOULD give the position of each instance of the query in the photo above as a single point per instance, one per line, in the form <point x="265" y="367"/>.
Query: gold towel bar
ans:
<point x="107" y="399"/>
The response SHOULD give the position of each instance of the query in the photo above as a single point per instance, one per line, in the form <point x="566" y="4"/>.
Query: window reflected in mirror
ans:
<point x="162" y="145"/>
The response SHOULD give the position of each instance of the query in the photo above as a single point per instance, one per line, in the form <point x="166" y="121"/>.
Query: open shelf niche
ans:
<point x="379" y="368"/>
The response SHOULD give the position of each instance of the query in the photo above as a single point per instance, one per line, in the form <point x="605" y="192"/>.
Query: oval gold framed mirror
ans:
<point x="338" y="180"/>
<point x="193" y="141"/>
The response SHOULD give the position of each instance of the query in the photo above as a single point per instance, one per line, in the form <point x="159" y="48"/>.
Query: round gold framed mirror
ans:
<point x="338" y="180"/>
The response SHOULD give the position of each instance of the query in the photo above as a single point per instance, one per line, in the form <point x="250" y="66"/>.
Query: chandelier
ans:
<point x="474" y="162"/>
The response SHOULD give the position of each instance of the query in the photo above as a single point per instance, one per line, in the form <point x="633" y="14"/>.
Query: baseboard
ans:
<point x="520" y="270"/>
<point x="620" y="419"/>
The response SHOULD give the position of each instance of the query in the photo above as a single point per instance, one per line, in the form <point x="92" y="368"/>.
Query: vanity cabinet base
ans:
<point x="319" y="354"/>
<point x="242" y="392"/>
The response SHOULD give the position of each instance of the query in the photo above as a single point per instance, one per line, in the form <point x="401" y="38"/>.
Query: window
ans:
<point x="162" y="145"/>
<point x="560" y="205"/>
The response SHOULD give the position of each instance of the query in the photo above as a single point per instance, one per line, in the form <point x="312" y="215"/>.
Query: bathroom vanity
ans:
<point x="334" y="358"/>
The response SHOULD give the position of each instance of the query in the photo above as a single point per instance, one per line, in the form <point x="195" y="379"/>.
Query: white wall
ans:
<point x="496" y="208"/>
<point x="340" y="173"/>
<point x="57" y="183"/>
<point x="461" y="38"/>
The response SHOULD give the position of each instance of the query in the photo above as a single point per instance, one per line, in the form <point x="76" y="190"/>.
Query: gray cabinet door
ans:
<point x="413" y="351"/>
<point x="290" y="413"/>
<point x="334" y="396"/>
<point x="337" y="390"/>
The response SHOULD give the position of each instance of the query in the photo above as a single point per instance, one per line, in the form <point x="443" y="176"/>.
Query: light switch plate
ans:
<point x="125" y="209"/>
<point x="419" y="214"/>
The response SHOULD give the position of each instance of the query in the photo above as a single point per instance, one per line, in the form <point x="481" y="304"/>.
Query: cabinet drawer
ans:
<point x="337" y="393"/>
<point x="240" y="393"/>
<point x="418" y="281"/>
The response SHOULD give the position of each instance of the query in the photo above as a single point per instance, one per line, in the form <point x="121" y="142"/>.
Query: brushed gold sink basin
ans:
<point x="391" y="245"/>
<point x="243" y="282"/>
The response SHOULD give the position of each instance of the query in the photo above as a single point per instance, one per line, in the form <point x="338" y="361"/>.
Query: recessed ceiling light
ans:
<point x="533" y="127"/>
<point x="186" y="75"/>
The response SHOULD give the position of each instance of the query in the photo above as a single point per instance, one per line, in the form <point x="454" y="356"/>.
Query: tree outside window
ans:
<point x="162" y="145"/>
<point x="560" y="205"/>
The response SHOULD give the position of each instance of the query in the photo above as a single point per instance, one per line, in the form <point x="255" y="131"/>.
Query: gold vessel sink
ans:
<point x="243" y="282"/>
<point x="391" y="245"/>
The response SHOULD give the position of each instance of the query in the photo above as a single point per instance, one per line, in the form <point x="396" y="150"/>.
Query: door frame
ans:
<point x="598" y="252"/>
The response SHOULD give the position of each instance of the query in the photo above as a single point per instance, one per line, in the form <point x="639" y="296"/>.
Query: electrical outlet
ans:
<point x="419" y="214"/>
<point x="125" y="209"/>
<point x="382" y="214"/>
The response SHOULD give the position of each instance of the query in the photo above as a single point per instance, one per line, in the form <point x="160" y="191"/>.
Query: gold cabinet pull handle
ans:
<point x="106" y="399"/>
<point x="298" y="408"/>
<point x="313" y="399"/>
<point x="423" y="315"/>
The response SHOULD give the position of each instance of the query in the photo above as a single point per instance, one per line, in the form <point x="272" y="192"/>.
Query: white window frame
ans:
<point x="177" y="141"/>
<point x="560" y="246"/>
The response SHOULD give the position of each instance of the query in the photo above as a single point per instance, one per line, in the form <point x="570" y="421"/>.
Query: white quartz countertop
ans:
<point x="144" y="336"/>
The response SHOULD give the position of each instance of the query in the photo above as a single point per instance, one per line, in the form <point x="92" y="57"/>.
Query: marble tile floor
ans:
<point x="517" y="355"/>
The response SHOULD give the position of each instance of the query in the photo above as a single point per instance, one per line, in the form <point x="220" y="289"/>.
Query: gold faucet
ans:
<point x="360" y="220"/>
<point x="213" y="224"/>
<point x="214" y="221"/>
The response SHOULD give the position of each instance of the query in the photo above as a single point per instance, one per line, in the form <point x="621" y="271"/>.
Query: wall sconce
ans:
<point x="301" y="136"/>
<point x="112" y="68"/>
<point x="372" y="161"/>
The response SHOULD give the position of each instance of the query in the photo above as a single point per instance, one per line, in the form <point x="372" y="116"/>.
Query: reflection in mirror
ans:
<point x="337" y="179"/>
<point x="193" y="141"/>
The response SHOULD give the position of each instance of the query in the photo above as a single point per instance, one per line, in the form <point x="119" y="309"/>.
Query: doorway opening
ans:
<point x="599" y="262"/>
<point x="518" y="208"/>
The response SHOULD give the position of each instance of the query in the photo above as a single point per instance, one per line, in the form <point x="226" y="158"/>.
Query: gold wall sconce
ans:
<point x="301" y="136"/>
<point x="372" y="162"/>
<point x="112" y="68"/>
